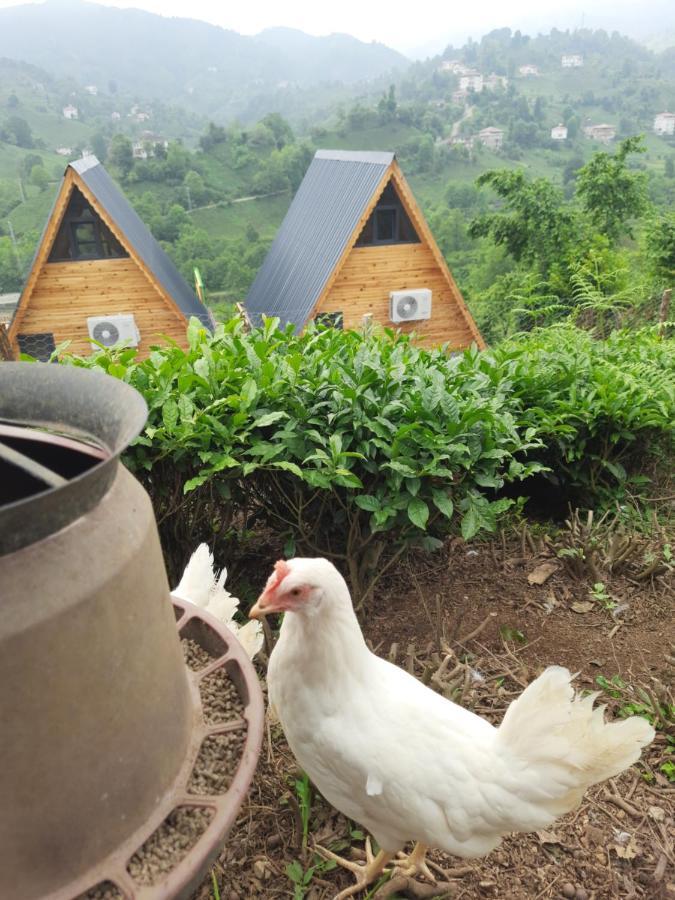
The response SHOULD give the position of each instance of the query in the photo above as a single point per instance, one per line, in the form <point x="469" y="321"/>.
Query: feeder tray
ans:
<point x="135" y="723"/>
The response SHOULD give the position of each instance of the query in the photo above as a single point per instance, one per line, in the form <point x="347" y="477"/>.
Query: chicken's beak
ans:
<point x="263" y="606"/>
<point x="257" y="611"/>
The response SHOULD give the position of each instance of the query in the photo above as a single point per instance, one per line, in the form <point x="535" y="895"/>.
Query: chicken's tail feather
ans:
<point x="551" y="728"/>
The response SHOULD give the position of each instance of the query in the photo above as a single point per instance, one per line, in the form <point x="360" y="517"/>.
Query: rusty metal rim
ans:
<point x="187" y="874"/>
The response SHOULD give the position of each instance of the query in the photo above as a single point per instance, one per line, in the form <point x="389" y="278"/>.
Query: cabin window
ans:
<point x="84" y="235"/>
<point x="330" y="319"/>
<point x="389" y="223"/>
<point x="39" y="346"/>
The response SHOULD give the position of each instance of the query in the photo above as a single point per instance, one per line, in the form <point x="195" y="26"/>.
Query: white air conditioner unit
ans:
<point x="112" y="330"/>
<point x="410" y="306"/>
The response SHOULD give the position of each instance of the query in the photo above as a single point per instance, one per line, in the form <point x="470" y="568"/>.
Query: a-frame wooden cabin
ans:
<point x="354" y="246"/>
<point x="98" y="272"/>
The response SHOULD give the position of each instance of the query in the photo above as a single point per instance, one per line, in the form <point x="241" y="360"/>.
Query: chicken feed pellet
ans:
<point x="218" y="759"/>
<point x="164" y="849"/>
<point x="220" y="699"/>
<point x="196" y="657"/>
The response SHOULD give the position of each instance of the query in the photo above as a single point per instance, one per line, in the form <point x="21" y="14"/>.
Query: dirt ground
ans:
<point x="470" y="623"/>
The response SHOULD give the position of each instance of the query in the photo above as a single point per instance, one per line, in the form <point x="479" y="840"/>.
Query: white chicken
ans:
<point x="405" y="762"/>
<point x="205" y="587"/>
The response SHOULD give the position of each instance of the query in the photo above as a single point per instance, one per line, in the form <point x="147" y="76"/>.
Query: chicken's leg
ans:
<point x="365" y="875"/>
<point x="415" y="863"/>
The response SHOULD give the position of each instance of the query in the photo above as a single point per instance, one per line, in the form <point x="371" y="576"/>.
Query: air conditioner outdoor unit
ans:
<point x="410" y="306"/>
<point x="112" y="330"/>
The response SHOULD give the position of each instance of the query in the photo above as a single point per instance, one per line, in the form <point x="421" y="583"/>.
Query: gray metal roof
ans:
<point x="333" y="195"/>
<point x="137" y="235"/>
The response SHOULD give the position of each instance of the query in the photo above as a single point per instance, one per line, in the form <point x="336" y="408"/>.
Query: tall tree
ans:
<point x="610" y="192"/>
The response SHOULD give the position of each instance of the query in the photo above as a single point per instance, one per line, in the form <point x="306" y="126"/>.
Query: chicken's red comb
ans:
<point x="281" y="569"/>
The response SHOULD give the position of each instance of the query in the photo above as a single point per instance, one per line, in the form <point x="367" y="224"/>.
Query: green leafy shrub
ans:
<point x="601" y="408"/>
<point x="349" y="444"/>
<point x="357" y="446"/>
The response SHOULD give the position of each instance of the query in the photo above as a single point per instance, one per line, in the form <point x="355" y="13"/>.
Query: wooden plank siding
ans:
<point x="362" y="280"/>
<point x="368" y="275"/>
<point x="66" y="293"/>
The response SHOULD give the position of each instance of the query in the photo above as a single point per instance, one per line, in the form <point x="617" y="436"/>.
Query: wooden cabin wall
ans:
<point x="367" y="276"/>
<point x="66" y="293"/>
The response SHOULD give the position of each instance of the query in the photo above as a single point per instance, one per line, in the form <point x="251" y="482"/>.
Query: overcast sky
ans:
<point x="418" y="26"/>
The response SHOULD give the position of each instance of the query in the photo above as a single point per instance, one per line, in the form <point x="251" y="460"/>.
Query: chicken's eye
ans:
<point x="295" y="592"/>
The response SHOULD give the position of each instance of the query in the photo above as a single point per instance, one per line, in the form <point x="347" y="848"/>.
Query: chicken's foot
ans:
<point x="415" y="863"/>
<point x="365" y="875"/>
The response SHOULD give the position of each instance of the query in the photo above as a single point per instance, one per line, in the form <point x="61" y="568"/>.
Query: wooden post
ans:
<point x="664" y="309"/>
<point x="6" y="352"/>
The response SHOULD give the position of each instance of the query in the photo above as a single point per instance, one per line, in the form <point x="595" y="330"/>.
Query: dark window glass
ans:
<point x="40" y="346"/>
<point x="83" y="235"/>
<point x="389" y="222"/>
<point x="385" y="224"/>
<point x="330" y="319"/>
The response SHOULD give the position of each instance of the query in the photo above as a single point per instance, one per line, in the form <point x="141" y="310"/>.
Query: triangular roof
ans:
<point x="337" y="195"/>
<point x="336" y="190"/>
<point x="98" y="187"/>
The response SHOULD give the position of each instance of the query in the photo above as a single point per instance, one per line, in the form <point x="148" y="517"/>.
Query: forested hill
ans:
<point x="206" y="68"/>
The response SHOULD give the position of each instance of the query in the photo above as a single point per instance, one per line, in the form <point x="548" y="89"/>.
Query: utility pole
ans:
<point x="16" y="248"/>
<point x="23" y="193"/>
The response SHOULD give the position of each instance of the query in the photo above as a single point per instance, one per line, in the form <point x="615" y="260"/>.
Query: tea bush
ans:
<point x="348" y="443"/>
<point x="354" y="444"/>
<point x="602" y="408"/>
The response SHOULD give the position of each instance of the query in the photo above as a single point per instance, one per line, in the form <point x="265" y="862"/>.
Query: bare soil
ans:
<point x="469" y="623"/>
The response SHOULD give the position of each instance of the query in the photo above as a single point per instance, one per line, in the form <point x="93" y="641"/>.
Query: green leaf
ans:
<point x="470" y="524"/>
<point x="170" y="414"/>
<point x="443" y="503"/>
<point x="367" y="502"/>
<point x="288" y="467"/>
<point x="269" y="418"/>
<point x="418" y="512"/>
<point x="249" y="391"/>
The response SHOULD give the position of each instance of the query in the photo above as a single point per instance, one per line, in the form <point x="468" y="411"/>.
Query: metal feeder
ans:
<point x="111" y="777"/>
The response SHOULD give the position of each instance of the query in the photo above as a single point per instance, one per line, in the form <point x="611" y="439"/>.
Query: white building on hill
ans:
<point x="664" y="123"/>
<point x="473" y="81"/>
<point x="528" y="70"/>
<point x="571" y="60"/>
<point x="559" y="133"/>
<point x="70" y="112"/>
<point x="604" y="133"/>
<point x="491" y="137"/>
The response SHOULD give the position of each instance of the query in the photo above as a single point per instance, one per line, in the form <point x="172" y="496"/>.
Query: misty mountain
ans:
<point x="202" y="66"/>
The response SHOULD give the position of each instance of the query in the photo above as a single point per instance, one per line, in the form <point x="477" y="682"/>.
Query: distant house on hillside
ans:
<point x="91" y="89"/>
<point x="355" y="248"/>
<point x="147" y="147"/>
<point x="99" y="274"/>
<point x="460" y="97"/>
<point x="138" y="115"/>
<point x="472" y="81"/>
<point x="559" y="133"/>
<point x="70" y="112"/>
<point x="571" y="60"/>
<point x="64" y="151"/>
<point x="455" y="66"/>
<point x="603" y="133"/>
<point x="664" y="123"/>
<point x="491" y="137"/>
<point x="115" y="116"/>
<point x="528" y="70"/>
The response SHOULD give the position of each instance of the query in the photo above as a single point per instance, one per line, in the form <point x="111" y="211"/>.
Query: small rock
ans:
<point x="581" y="894"/>
<point x="274" y="841"/>
<point x="233" y="895"/>
<point x="568" y="890"/>
<point x="259" y="868"/>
